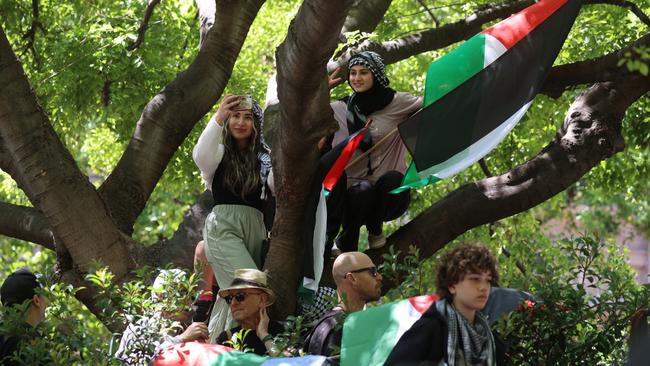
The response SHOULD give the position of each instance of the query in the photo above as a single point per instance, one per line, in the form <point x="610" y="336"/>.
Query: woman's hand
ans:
<point x="195" y="331"/>
<point x="263" y="326"/>
<point x="334" y="79"/>
<point x="225" y="108"/>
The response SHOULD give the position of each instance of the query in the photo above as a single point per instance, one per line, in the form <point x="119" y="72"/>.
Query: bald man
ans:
<point x="357" y="283"/>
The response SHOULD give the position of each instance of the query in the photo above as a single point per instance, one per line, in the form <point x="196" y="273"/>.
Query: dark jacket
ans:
<point x="426" y="343"/>
<point x="325" y="337"/>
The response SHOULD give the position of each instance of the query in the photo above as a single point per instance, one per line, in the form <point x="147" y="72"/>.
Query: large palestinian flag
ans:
<point x="477" y="93"/>
<point x="370" y="335"/>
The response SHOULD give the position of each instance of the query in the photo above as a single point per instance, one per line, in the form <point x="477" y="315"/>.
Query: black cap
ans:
<point x="18" y="287"/>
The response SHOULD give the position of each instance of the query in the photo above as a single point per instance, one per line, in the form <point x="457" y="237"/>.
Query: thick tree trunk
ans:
<point x="305" y="117"/>
<point x="170" y="116"/>
<point x="591" y="133"/>
<point x="75" y="212"/>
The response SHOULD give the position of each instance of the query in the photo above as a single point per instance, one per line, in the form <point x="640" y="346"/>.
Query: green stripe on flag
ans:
<point x="238" y="359"/>
<point x="370" y="335"/>
<point x="448" y="72"/>
<point x="413" y="180"/>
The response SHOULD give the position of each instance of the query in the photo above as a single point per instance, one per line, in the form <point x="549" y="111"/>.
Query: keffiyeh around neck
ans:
<point x="476" y="341"/>
<point x="264" y="152"/>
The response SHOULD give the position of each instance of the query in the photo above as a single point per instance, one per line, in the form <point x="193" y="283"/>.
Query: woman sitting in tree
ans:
<point x="235" y="165"/>
<point x="378" y="165"/>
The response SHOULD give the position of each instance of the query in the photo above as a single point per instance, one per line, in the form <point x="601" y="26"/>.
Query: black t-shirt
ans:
<point x="252" y="342"/>
<point x="8" y="346"/>
<point x="222" y="195"/>
<point x="10" y="343"/>
<point x="325" y="337"/>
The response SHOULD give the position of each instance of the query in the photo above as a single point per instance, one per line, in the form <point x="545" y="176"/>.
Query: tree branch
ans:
<point x="603" y="68"/>
<point x="144" y="24"/>
<point x="306" y="116"/>
<point x="591" y="133"/>
<point x="70" y="204"/>
<point x="365" y="15"/>
<point x="625" y="4"/>
<point x="25" y="223"/>
<point x="170" y="116"/>
<point x="433" y="17"/>
<point x="30" y="36"/>
<point x="179" y="250"/>
<point x="433" y="39"/>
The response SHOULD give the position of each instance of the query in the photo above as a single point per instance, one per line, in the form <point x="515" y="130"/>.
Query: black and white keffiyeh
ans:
<point x="264" y="152"/>
<point x="477" y="342"/>
<point x="374" y="62"/>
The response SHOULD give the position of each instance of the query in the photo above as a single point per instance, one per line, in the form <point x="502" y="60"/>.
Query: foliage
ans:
<point x="70" y="335"/>
<point x="237" y="340"/>
<point x="585" y="305"/>
<point x="94" y="89"/>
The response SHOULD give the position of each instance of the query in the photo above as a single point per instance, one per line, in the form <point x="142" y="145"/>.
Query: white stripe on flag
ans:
<point x="493" y="50"/>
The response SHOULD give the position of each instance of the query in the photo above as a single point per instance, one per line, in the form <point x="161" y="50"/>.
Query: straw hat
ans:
<point x="249" y="278"/>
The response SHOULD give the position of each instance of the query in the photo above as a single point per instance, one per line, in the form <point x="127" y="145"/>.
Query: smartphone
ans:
<point x="245" y="102"/>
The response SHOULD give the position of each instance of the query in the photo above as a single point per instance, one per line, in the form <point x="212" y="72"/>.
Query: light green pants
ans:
<point x="233" y="236"/>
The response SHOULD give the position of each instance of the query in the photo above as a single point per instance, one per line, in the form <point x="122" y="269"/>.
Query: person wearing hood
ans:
<point x="235" y="165"/>
<point x="378" y="165"/>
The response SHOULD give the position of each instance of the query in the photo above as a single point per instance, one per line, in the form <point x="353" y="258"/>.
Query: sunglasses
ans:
<point x="372" y="270"/>
<point x="240" y="297"/>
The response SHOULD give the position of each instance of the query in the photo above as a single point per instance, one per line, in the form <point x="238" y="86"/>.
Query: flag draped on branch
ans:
<point x="476" y="94"/>
<point x="370" y="335"/>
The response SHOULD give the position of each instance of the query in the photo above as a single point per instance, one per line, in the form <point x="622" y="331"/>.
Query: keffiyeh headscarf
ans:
<point x="477" y="342"/>
<point x="374" y="63"/>
<point x="361" y="105"/>
<point x="264" y="152"/>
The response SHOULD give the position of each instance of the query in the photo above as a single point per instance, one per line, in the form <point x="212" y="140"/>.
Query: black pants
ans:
<point x="363" y="204"/>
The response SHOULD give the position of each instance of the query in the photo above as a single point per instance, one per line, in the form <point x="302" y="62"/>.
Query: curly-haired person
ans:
<point x="453" y="331"/>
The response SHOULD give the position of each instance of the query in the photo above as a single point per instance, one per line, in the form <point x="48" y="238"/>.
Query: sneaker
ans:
<point x="376" y="241"/>
<point x="335" y="251"/>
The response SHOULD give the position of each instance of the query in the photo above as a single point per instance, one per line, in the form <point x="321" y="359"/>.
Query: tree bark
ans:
<point x="25" y="223"/>
<point x="591" y="132"/>
<point x="305" y="117"/>
<point x="170" y="116"/>
<point x="179" y="249"/>
<point x="365" y="15"/>
<point x="56" y="186"/>
<point x="603" y="68"/>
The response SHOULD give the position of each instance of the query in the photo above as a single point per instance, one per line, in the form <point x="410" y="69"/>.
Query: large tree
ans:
<point x="83" y="223"/>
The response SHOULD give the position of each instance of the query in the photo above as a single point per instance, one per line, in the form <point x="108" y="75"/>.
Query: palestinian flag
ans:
<point x="370" y="335"/>
<point x="329" y="171"/>
<point x="203" y="354"/>
<point x="476" y="94"/>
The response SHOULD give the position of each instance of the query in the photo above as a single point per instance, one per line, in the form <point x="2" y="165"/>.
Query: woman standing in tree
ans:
<point x="369" y="179"/>
<point x="235" y="165"/>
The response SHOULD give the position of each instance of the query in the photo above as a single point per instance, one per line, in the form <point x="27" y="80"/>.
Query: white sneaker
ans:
<point x="376" y="241"/>
<point x="335" y="252"/>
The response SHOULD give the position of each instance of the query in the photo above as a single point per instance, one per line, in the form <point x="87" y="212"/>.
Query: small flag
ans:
<point x="333" y="176"/>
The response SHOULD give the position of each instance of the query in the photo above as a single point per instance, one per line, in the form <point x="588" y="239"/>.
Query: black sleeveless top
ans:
<point x="224" y="196"/>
